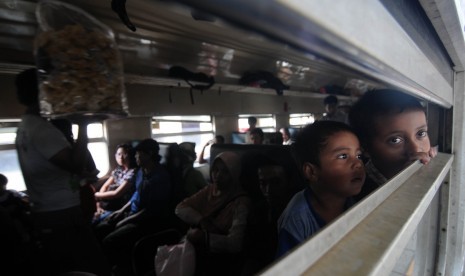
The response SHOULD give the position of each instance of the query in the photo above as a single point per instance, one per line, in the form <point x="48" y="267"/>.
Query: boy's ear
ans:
<point x="310" y="172"/>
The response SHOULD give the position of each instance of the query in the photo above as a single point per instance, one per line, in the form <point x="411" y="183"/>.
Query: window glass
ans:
<point x="201" y="118"/>
<point x="10" y="168"/>
<point x="166" y="127"/>
<point x="178" y="129"/>
<point x="97" y="147"/>
<point x="264" y="121"/>
<point x="94" y="130"/>
<point x="99" y="152"/>
<point x="301" y="119"/>
<point x="8" y="129"/>
<point x="8" y="138"/>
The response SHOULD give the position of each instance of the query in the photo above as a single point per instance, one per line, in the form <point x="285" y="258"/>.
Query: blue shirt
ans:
<point x="299" y="221"/>
<point x="153" y="192"/>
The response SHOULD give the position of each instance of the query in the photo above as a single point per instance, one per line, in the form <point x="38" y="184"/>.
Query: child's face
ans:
<point x="341" y="169"/>
<point x="398" y="140"/>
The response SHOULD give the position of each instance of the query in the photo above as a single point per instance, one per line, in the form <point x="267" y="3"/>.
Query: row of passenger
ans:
<point x="390" y="125"/>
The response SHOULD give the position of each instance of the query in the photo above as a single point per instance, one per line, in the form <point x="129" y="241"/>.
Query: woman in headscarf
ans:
<point x="219" y="214"/>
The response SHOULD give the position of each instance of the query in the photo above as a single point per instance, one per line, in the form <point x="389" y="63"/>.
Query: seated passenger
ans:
<point x="257" y="136"/>
<point x="393" y="132"/>
<point x="273" y="182"/>
<point x="193" y="180"/>
<point x="219" y="214"/>
<point x="330" y="157"/>
<point x="252" y="121"/>
<point x="286" y="136"/>
<point x="217" y="140"/>
<point x="117" y="190"/>
<point x="15" y="231"/>
<point x="273" y="138"/>
<point x="147" y="212"/>
<point x="332" y="111"/>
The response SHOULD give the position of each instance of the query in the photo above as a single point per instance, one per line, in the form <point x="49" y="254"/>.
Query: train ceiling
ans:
<point x="170" y="34"/>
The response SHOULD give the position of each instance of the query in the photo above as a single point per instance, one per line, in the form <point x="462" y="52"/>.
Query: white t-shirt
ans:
<point x="48" y="186"/>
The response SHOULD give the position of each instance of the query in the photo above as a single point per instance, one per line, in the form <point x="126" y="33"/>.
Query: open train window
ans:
<point x="97" y="146"/>
<point x="10" y="164"/>
<point x="178" y="129"/>
<point x="301" y="119"/>
<point x="264" y="121"/>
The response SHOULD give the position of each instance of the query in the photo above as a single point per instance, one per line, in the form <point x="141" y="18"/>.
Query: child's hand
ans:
<point x="433" y="151"/>
<point x="425" y="157"/>
<point x="422" y="156"/>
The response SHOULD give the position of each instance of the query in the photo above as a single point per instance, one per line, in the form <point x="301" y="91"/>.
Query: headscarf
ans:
<point x="233" y="163"/>
<point x="210" y="203"/>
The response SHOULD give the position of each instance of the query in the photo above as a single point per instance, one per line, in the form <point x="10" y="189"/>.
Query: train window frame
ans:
<point x="198" y="129"/>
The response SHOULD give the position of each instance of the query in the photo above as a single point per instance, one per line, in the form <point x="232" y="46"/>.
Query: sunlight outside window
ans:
<point x="301" y="119"/>
<point x="264" y="121"/>
<point x="178" y="129"/>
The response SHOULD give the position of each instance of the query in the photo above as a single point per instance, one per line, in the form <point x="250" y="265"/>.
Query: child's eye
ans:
<point x="359" y="156"/>
<point x="395" y="140"/>
<point x="422" y="133"/>
<point x="342" y="156"/>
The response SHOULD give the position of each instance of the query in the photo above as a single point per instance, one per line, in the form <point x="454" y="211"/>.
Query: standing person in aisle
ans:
<point x="48" y="162"/>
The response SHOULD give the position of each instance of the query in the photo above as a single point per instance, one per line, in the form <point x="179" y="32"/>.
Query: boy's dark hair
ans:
<point x="3" y="180"/>
<point x="257" y="131"/>
<point x="376" y="103"/>
<point x="151" y="147"/>
<point x="27" y="87"/>
<point x="313" y="138"/>
<point x="330" y="100"/>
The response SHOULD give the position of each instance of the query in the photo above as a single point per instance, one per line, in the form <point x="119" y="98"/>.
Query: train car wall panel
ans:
<point x="150" y="100"/>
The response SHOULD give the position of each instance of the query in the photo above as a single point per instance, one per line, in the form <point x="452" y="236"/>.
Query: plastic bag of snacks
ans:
<point x="79" y="65"/>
